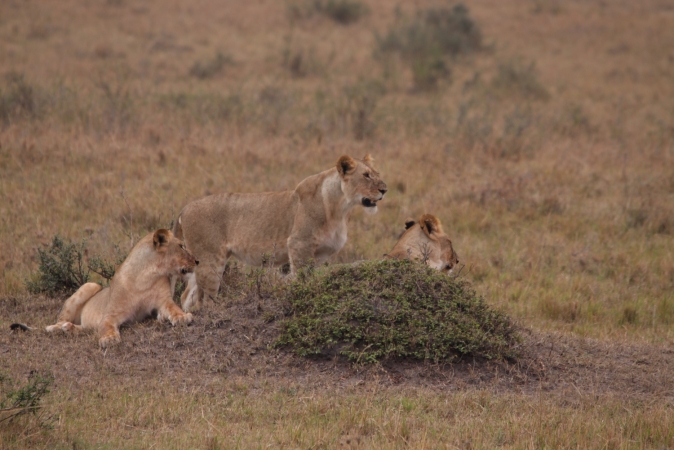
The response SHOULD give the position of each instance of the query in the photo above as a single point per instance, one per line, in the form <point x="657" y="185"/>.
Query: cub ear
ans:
<point x="409" y="222"/>
<point x="368" y="159"/>
<point x="161" y="237"/>
<point x="430" y="224"/>
<point x="346" y="165"/>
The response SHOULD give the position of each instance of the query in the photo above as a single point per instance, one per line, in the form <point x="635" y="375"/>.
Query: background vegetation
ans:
<point x="545" y="144"/>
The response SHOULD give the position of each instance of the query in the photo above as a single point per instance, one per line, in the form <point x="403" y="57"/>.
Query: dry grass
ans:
<point x="220" y="384"/>
<point x="548" y="156"/>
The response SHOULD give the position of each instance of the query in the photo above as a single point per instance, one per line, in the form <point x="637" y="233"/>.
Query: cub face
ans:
<point x="174" y="256"/>
<point x="361" y="182"/>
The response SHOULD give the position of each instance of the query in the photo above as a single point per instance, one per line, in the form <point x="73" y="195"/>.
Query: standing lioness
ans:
<point x="292" y="226"/>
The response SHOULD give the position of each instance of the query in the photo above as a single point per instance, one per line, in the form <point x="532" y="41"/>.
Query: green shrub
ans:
<point x="447" y="31"/>
<point x="18" y="100"/>
<point x="516" y="77"/>
<point x="208" y="69"/>
<point x="382" y="309"/>
<point x="426" y="40"/>
<point x="61" y="269"/>
<point x="342" y="11"/>
<point x="362" y="98"/>
<point x="26" y="399"/>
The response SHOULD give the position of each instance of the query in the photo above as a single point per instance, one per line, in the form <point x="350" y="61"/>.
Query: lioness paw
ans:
<point x="184" y="319"/>
<point x="109" y="341"/>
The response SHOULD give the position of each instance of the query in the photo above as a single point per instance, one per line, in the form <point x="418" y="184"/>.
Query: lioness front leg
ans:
<point x="300" y="253"/>
<point x="172" y="312"/>
<point x="109" y="333"/>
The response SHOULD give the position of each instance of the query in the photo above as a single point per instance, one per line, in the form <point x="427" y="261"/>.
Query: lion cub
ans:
<point x="295" y="226"/>
<point x="425" y="241"/>
<point x="139" y="289"/>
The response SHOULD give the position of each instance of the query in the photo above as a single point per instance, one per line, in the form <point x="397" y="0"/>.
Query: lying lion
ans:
<point x="139" y="289"/>
<point x="308" y="223"/>
<point x="425" y="241"/>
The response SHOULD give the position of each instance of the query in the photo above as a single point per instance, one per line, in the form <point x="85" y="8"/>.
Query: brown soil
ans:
<point x="235" y="341"/>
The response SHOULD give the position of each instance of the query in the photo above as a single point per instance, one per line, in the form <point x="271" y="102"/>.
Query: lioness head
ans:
<point x="361" y="182"/>
<point x="175" y="258"/>
<point x="426" y="241"/>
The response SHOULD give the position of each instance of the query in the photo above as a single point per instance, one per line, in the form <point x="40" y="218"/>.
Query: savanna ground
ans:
<point x="547" y="152"/>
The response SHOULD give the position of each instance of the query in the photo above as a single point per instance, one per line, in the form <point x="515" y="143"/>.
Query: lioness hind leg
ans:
<point x="66" y="327"/>
<point x="72" y="308"/>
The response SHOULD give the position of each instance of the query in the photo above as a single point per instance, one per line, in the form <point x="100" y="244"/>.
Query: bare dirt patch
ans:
<point x="236" y="340"/>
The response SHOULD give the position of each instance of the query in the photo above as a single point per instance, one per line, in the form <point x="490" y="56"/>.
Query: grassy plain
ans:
<point x="548" y="155"/>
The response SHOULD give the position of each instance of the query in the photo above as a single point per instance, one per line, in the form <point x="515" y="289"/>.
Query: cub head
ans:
<point x="361" y="182"/>
<point x="175" y="258"/>
<point x="426" y="241"/>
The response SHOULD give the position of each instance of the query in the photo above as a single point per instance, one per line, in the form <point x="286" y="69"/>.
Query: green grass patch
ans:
<point x="387" y="309"/>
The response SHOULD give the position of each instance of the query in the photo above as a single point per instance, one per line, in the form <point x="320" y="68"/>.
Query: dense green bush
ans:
<point x="514" y="76"/>
<point x="343" y="12"/>
<point x="212" y="67"/>
<point x="61" y="269"/>
<point x="425" y="41"/>
<point x="390" y="308"/>
<point x="18" y="99"/>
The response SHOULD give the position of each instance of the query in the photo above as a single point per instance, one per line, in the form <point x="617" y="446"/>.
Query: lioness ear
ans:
<point x="409" y="222"/>
<point x="161" y="237"/>
<point x="368" y="159"/>
<point x="430" y="224"/>
<point x="346" y="165"/>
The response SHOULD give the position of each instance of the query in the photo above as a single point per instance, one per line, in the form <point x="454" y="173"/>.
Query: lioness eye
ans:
<point x="367" y="175"/>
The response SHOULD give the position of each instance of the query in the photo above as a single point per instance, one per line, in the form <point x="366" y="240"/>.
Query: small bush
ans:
<point x="516" y="77"/>
<point x="18" y="100"/>
<point x="425" y="41"/>
<point x="26" y="399"/>
<point x="427" y="72"/>
<point x="208" y="69"/>
<point x="382" y="309"/>
<point x="447" y="31"/>
<point x="362" y="98"/>
<point x="61" y="269"/>
<point x="342" y="11"/>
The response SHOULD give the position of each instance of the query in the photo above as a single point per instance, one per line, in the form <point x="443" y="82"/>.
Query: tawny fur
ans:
<point x="139" y="289"/>
<point x="308" y="223"/>
<point x="426" y="241"/>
